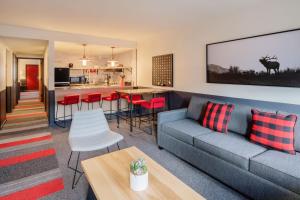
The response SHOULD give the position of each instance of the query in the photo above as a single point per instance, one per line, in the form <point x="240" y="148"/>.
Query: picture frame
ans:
<point x="271" y="59"/>
<point x="162" y="70"/>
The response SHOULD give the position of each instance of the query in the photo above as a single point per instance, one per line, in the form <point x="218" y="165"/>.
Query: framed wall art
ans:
<point x="270" y="60"/>
<point x="162" y="70"/>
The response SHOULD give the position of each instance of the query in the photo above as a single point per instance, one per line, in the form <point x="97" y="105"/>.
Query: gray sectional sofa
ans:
<point x="251" y="169"/>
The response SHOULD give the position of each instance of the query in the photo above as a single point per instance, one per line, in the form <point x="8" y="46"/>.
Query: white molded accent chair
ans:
<point x="89" y="132"/>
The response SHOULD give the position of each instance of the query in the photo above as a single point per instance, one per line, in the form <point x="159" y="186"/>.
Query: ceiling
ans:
<point x="25" y="46"/>
<point x="128" y="19"/>
<point x="125" y="19"/>
<point x="91" y="50"/>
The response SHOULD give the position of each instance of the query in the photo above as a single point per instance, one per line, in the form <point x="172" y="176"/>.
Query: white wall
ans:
<point x="128" y="59"/>
<point x="9" y="68"/>
<point x="63" y="60"/>
<point x="50" y="65"/>
<point x="2" y="66"/>
<point x="188" y="47"/>
<point x="33" y="33"/>
<point x="46" y="80"/>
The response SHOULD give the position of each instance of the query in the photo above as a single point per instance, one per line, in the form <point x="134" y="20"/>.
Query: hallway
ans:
<point x="29" y="114"/>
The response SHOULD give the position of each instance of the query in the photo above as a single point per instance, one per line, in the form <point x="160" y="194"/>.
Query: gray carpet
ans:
<point x="199" y="181"/>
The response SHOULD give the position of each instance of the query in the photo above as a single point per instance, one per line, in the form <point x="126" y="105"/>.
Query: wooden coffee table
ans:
<point x="108" y="176"/>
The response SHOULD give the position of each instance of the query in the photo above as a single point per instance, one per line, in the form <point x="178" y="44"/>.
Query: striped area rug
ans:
<point x="29" y="167"/>
<point x="29" y="95"/>
<point x="27" y="115"/>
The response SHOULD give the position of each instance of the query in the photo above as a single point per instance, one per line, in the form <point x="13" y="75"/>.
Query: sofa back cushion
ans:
<point x="273" y="130"/>
<point x="197" y="106"/>
<point x="296" y="131"/>
<point x="241" y="118"/>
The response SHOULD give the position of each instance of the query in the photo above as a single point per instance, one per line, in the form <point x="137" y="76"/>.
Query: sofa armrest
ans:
<point x="172" y="115"/>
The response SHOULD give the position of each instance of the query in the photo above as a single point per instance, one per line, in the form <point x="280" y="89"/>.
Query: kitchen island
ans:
<point x="83" y="90"/>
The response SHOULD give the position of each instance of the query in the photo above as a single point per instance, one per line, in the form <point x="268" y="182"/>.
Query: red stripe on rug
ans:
<point x="30" y="106"/>
<point x="25" y="115"/>
<point x="18" y="159"/>
<point x="38" y="191"/>
<point x="26" y="141"/>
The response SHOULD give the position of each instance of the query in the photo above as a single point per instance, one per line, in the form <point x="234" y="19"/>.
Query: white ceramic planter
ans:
<point x="138" y="183"/>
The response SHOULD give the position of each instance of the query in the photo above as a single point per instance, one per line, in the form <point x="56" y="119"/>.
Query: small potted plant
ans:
<point x="138" y="175"/>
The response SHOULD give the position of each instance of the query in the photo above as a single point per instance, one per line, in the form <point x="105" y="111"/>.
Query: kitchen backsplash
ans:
<point x="127" y="59"/>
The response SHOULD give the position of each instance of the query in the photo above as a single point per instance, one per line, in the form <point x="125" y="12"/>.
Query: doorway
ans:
<point x="32" y="77"/>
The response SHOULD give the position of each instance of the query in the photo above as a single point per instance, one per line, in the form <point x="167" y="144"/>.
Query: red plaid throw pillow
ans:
<point x="273" y="130"/>
<point x="217" y="116"/>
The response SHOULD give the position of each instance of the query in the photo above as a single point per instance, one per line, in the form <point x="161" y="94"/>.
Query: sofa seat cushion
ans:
<point x="278" y="167"/>
<point x="185" y="130"/>
<point x="230" y="147"/>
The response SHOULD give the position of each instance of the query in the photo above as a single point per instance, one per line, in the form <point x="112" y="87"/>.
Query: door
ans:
<point x="32" y="73"/>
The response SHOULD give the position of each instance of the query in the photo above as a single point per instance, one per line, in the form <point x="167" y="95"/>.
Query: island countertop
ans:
<point x="91" y="86"/>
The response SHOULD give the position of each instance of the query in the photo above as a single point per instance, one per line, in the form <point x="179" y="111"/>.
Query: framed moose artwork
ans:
<point x="270" y="59"/>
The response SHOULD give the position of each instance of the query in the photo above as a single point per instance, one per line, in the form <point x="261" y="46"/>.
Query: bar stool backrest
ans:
<point x="158" y="102"/>
<point x="136" y="97"/>
<point x="114" y="96"/>
<point x="71" y="99"/>
<point x="94" y="97"/>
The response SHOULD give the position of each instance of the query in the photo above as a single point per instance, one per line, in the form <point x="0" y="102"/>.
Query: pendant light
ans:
<point x="84" y="59"/>
<point x="112" y="61"/>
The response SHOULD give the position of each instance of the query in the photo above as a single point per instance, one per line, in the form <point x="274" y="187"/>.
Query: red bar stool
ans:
<point x="91" y="98"/>
<point x="154" y="103"/>
<point x="112" y="97"/>
<point x="136" y="102"/>
<point x="67" y="101"/>
<point x="125" y="97"/>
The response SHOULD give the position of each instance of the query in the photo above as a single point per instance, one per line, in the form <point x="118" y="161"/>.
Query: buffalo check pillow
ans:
<point x="273" y="130"/>
<point x="217" y="116"/>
